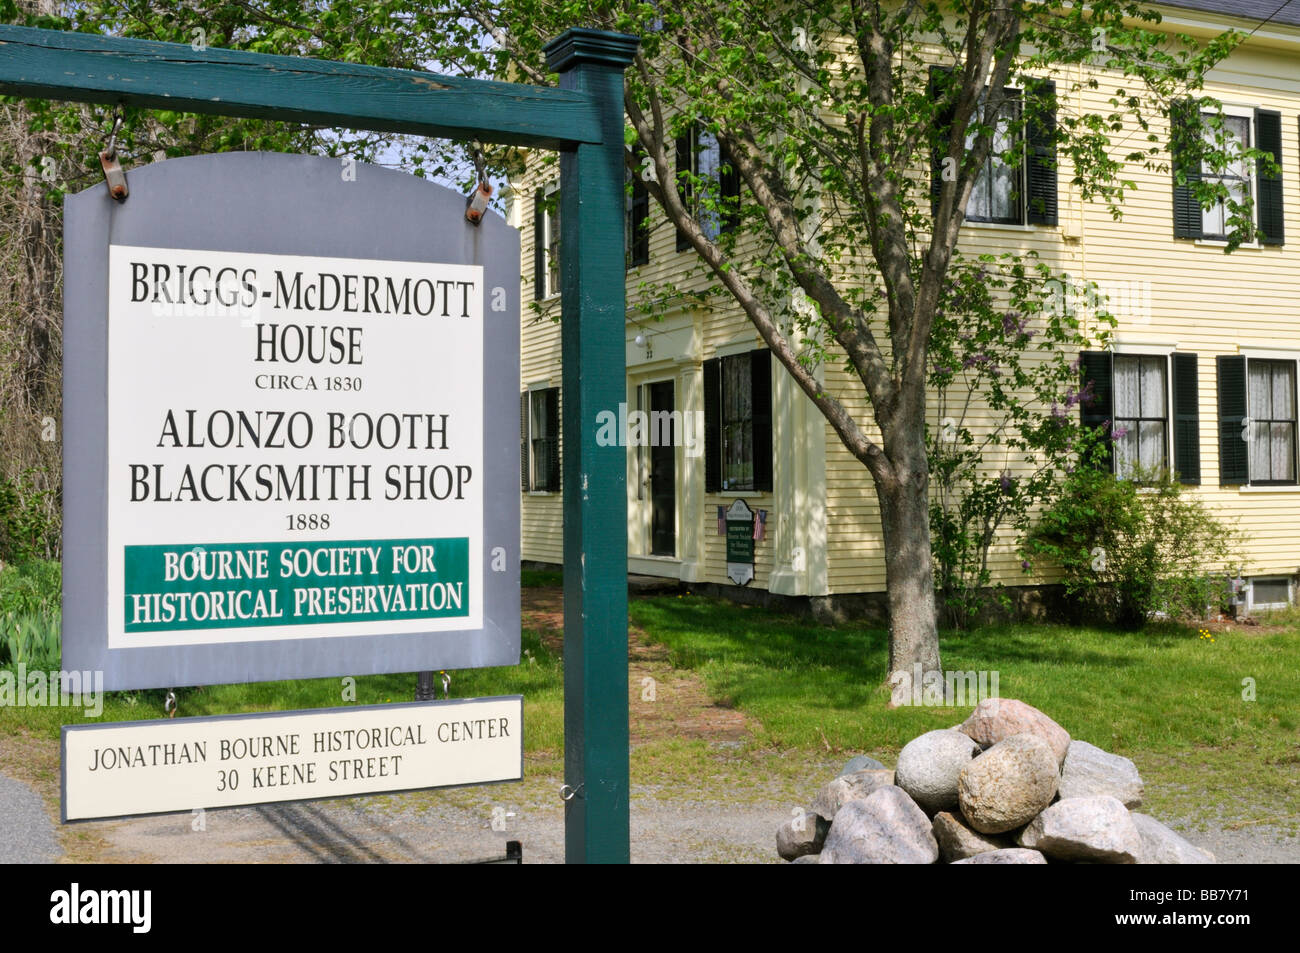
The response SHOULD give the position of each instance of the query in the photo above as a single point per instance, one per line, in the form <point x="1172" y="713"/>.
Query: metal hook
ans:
<point x="446" y="685"/>
<point x="111" y="149"/>
<point x="113" y="174"/>
<point x="477" y="203"/>
<point x="169" y="704"/>
<point x="572" y="792"/>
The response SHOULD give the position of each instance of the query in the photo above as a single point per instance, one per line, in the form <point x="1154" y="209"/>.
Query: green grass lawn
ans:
<point x="1170" y="700"/>
<point x="1167" y="698"/>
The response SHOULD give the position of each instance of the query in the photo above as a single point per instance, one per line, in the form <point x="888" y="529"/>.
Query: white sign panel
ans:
<point x="166" y="766"/>
<point x="290" y="433"/>
<point x="300" y="393"/>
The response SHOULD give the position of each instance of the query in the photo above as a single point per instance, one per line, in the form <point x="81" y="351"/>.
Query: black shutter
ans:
<point x="685" y="187"/>
<point x="523" y="442"/>
<point x="553" y="443"/>
<point x="1185" y="129"/>
<point x="1187" y="420"/>
<point x="729" y="190"/>
<point x="712" y="426"/>
<point x="539" y="245"/>
<point x="943" y="122"/>
<point x="1040" y="131"/>
<point x="760" y="382"/>
<point x="1234" y="467"/>
<point x="1100" y="410"/>
<point x="1268" y="137"/>
<point x="638" y="250"/>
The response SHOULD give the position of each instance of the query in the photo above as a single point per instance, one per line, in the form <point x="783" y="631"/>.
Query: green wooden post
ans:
<point x="593" y="327"/>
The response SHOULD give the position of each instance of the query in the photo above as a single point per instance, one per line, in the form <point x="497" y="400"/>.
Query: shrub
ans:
<point x="31" y="588"/>
<point x="1131" y="548"/>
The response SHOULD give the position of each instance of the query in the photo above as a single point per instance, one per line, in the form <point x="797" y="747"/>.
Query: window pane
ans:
<point x="708" y="165"/>
<point x="737" y="423"/>
<point x="1151" y="443"/>
<point x="1125" y="435"/>
<point x="1126" y="383"/>
<point x="1283" y="391"/>
<point x="1005" y="198"/>
<point x="1282" y="451"/>
<point x="1260" y="390"/>
<point x="1154" y="390"/>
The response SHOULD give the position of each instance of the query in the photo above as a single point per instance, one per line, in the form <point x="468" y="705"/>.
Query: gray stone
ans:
<point x="1096" y="829"/>
<point x="805" y="859"/>
<point x="885" y="828"/>
<point x="835" y="794"/>
<point x="957" y="841"/>
<point x="929" y="766"/>
<point x="1008" y="785"/>
<point x="801" y="835"/>
<point x="1008" y="855"/>
<point x="1160" y="845"/>
<point x="862" y="763"/>
<point x="995" y="719"/>
<point x="1089" y="772"/>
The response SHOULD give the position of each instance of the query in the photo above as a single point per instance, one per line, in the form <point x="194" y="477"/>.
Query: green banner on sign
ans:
<point x="199" y="586"/>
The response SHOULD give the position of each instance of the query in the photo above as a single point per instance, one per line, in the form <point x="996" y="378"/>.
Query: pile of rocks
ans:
<point x="1006" y="786"/>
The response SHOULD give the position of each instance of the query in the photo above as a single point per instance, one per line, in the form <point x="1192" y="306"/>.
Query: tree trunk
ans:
<point x="909" y="576"/>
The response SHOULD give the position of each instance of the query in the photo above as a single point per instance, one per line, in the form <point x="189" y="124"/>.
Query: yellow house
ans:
<point x="1201" y="377"/>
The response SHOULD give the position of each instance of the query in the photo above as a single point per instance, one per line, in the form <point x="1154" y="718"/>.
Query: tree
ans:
<point x="831" y="111"/>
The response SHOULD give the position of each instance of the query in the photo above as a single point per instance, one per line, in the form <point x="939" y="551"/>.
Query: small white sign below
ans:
<point x="156" y="767"/>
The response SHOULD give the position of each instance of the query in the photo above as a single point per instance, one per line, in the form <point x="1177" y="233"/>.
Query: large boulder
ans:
<point x="1088" y="772"/>
<point x="862" y="763"/>
<point x="885" y="828"/>
<point x="957" y="841"/>
<point x="1009" y="855"/>
<point x="1009" y="784"/>
<point x="929" y="766"/>
<point x="1160" y="845"/>
<point x="996" y="719"/>
<point x="1097" y="829"/>
<point x="849" y="787"/>
<point x="801" y="835"/>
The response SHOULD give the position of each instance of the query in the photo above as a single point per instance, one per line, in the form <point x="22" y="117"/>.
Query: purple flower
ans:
<point x="1057" y="412"/>
<point x="1074" y="365"/>
<point x="1119" y="433"/>
<point x="1005" y="482"/>
<point x="1024" y="564"/>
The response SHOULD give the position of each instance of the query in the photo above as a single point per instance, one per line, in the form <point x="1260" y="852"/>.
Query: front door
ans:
<point x="663" y="470"/>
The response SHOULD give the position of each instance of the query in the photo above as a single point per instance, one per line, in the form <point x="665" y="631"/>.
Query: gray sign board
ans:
<point x="289" y="425"/>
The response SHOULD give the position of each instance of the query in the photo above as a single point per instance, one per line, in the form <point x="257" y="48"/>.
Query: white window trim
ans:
<point x="535" y="388"/>
<point x="1152" y="350"/>
<point x="1252" y="605"/>
<point x="1241" y="111"/>
<point x="548" y="293"/>
<point x="1272" y="354"/>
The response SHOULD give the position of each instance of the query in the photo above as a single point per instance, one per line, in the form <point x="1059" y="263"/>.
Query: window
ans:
<point x="1140" y="431"/>
<point x="1257" y="421"/>
<point x="546" y="242"/>
<point x="1017" y="184"/>
<point x="1236" y="177"/>
<point x="1270" y="405"/>
<point x="997" y="190"/>
<point x="637" y="233"/>
<point x="1243" y="128"/>
<point x="1149" y="405"/>
<point x="539" y="440"/>
<point x="702" y="161"/>
<point x="738" y="422"/>
<point x="1272" y="593"/>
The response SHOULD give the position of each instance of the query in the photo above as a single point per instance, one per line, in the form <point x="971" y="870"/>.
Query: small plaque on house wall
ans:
<point x="740" y="543"/>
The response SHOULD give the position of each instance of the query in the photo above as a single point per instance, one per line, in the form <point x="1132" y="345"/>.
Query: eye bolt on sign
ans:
<point x="289" y="445"/>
